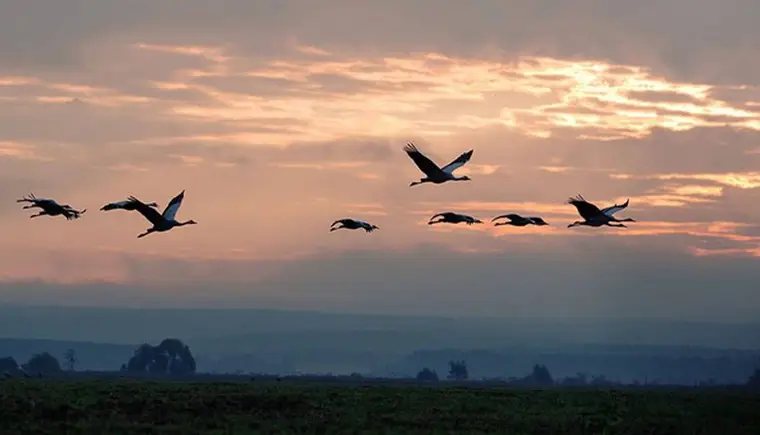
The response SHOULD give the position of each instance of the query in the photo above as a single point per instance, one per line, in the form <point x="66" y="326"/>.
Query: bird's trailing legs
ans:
<point x="28" y="198"/>
<point x="145" y="233"/>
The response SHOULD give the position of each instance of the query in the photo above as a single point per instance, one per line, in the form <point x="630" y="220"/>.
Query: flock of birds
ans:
<point x="592" y="215"/>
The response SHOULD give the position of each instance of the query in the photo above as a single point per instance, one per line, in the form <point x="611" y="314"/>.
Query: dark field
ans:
<point x="40" y="406"/>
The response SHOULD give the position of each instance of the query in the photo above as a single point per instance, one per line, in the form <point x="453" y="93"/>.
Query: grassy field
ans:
<point x="103" y="407"/>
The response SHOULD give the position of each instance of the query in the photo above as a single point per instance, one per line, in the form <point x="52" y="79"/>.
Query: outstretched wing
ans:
<point x="458" y="162"/>
<point x="115" y="205"/>
<point x="171" y="210"/>
<point x="609" y="211"/>
<point x="586" y="209"/>
<point x="150" y="213"/>
<point x="443" y="215"/>
<point x="425" y="164"/>
<point x="70" y="213"/>
<point x="510" y="216"/>
<point x="342" y="221"/>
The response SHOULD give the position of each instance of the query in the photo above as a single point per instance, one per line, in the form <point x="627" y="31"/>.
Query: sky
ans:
<point x="278" y="117"/>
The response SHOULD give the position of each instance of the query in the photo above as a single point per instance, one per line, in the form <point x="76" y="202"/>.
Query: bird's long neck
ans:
<point x="414" y="183"/>
<point x="462" y="178"/>
<point x="179" y="224"/>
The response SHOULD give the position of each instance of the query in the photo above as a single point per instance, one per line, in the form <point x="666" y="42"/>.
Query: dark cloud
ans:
<point x="691" y="39"/>
<point x="611" y="278"/>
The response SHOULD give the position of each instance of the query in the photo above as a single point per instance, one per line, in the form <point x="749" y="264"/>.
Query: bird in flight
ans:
<point x="50" y="207"/>
<point x="433" y="173"/>
<point x="518" y="221"/>
<point x="594" y="217"/>
<point x="127" y="204"/>
<point x="352" y="224"/>
<point x="450" y="217"/>
<point x="161" y="221"/>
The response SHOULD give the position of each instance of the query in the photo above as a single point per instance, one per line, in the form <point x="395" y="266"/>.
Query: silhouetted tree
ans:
<point x="71" y="359"/>
<point x="427" y="375"/>
<point x="171" y="355"/>
<point x="458" y="370"/>
<point x="8" y="364"/>
<point x="541" y="375"/>
<point x="601" y="381"/>
<point x="42" y="363"/>
<point x="579" y="379"/>
<point x="754" y="379"/>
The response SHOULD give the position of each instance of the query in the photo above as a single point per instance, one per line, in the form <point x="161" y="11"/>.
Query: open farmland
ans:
<point x="37" y="406"/>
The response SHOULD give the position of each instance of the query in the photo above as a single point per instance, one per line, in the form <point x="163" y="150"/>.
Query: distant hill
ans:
<point x="225" y="331"/>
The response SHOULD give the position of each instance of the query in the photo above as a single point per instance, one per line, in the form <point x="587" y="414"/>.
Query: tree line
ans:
<point x="540" y="376"/>
<point x="171" y="356"/>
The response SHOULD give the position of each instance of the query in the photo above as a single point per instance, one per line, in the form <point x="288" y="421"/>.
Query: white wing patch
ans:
<point x="611" y="210"/>
<point x="458" y="163"/>
<point x="171" y="210"/>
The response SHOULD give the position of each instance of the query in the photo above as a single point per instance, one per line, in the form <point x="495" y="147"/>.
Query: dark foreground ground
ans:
<point x="39" y="406"/>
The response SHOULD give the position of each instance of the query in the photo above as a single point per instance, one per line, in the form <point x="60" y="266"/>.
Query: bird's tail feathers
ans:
<point x="410" y="148"/>
<point x="576" y="199"/>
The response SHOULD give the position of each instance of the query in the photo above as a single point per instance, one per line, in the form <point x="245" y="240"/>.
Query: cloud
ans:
<point x="645" y="282"/>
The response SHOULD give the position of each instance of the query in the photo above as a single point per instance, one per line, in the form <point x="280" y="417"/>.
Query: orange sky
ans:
<point x="278" y="120"/>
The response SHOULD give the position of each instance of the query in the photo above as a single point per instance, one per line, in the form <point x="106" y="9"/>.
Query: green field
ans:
<point x="268" y="407"/>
